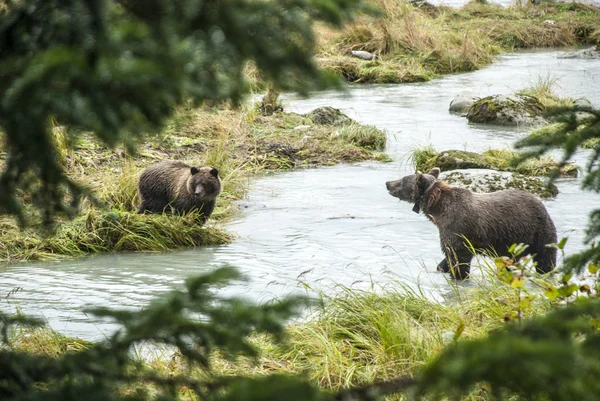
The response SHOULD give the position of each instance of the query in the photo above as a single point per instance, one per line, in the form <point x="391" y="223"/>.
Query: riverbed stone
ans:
<point x="514" y="110"/>
<point x="302" y="127"/>
<point x="591" y="53"/>
<point x="486" y="181"/>
<point x="363" y="55"/>
<point x="462" y="103"/>
<point x="583" y="104"/>
<point x="329" y="116"/>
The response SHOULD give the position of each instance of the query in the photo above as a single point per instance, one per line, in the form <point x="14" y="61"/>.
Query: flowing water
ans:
<point x="320" y="227"/>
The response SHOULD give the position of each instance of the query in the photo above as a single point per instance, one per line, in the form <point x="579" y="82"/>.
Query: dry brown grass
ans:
<point x="419" y="43"/>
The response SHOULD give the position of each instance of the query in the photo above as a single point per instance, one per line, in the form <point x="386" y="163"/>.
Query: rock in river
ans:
<point x="485" y="181"/>
<point x="462" y="103"/>
<point x="512" y="110"/>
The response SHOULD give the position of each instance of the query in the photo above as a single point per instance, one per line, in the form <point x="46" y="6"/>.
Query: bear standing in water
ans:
<point x="180" y="187"/>
<point x="495" y="220"/>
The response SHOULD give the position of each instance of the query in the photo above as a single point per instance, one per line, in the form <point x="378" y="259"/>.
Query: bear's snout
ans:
<point x="393" y="187"/>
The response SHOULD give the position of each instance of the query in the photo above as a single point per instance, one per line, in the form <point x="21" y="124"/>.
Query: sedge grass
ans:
<point x="100" y="231"/>
<point x="358" y="336"/>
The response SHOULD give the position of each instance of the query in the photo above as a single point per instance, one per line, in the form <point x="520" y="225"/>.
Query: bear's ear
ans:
<point x="435" y="172"/>
<point x="194" y="170"/>
<point x="416" y="208"/>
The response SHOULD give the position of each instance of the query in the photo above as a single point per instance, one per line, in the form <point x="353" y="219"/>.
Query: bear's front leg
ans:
<point x="443" y="266"/>
<point x="457" y="264"/>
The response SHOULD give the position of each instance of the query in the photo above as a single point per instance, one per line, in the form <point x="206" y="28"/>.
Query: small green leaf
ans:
<point x="568" y="290"/>
<point x="562" y="243"/>
<point x="525" y="302"/>
<point x="565" y="278"/>
<point x="551" y="292"/>
<point x="500" y="262"/>
<point x="593" y="268"/>
<point x="517" y="282"/>
<point x="459" y="330"/>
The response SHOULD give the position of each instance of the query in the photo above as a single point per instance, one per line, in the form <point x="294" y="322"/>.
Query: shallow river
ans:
<point x="322" y="227"/>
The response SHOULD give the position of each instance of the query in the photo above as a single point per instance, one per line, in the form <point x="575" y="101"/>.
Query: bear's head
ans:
<point x="412" y="188"/>
<point x="204" y="183"/>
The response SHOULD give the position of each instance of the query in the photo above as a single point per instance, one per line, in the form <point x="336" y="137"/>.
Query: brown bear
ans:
<point x="179" y="187"/>
<point x="489" y="221"/>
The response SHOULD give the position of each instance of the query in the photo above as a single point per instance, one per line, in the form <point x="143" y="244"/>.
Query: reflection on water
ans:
<point x="320" y="227"/>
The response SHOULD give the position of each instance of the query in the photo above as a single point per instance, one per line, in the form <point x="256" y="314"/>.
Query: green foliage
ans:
<point x="118" y="69"/>
<point x="553" y="357"/>
<point x="195" y="322"/>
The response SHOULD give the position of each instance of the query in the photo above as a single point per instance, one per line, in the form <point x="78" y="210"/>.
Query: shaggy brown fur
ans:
<point x="489" y="221"/>
<point x="179" y="187"/>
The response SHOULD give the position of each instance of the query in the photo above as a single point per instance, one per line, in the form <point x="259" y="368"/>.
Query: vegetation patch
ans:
<point x="415" y="43"/>
<point x="239" y="143"/>
<point x="359" y="337"/>
<point x="427" y="158"/>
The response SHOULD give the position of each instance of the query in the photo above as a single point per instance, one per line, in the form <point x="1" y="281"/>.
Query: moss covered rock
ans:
<point x="591" y="53"/>
<point x="485" y="181"/>
<point x="329" y="116"/>
<point x="495" y="159"/>
<point x="507" y="110"/>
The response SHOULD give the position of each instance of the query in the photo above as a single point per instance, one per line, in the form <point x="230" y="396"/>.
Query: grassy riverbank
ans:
<point x="418" y="43"/>
<point x="358" y="336"/>
<point x="240" y="143"/>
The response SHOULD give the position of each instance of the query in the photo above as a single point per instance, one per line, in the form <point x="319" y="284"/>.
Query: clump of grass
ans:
<point x="552" y="129"/>
<point x="365" y="136"/>
<point x="497" y="159"/>
<point x="543" y="90"/>
<point x="421" y="157"/>
<point x="45" y="341"/>
<point x="122" y="192"/>
<point x="111" y="231"/>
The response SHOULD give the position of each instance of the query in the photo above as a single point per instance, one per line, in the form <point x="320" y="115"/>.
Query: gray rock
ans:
<point x="301" y="127"/>
<point x="329" y="116"/>
<point x="364" y="55"/>
<point x="486" y="181"/>
<point x="587" y="54"/>
<point x="583" y="104"/>
<point x="515" y="110"/>
<point x="462" y="103"/>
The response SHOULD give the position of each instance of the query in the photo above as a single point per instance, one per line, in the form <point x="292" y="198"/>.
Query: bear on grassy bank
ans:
<point x="178" y="187"/>
<point x="489" y="221"/>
